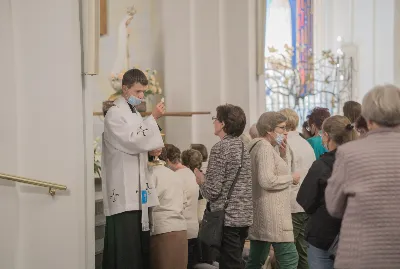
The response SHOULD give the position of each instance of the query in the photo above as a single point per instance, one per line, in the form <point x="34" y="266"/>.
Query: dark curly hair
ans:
<point x="352" y="110"/>
<point x="317" y="116"/>
<point x="234" y="119"/>
<point x="133" y="76"/>
<point x="192" y="159"/>
<point x="361" y="124"/>
<point x="163" y="155"/>
<point x="171" y="153"/>
<point x="202" y="149"/>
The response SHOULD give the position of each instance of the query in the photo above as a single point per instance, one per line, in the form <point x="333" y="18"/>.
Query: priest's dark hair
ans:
<point x="234" y="119"/>
<point x="133" y="76"/>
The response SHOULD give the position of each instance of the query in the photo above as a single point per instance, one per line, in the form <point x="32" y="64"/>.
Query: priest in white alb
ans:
<point x="128" y="192"/>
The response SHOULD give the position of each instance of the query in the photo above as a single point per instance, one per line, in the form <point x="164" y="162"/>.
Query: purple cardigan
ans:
<point x="364" y="190"/>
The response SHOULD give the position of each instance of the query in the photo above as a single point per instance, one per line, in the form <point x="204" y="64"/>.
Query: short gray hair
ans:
<point x="268" y="122"/>
<point x="382" y="105"/>
<point x="253" y="131"/>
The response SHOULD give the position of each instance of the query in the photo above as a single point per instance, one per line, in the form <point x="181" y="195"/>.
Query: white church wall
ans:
<point x="207" y="62"/>
<point x="42" y="135"/>
<point x="9" y="204"/>
<point x="369" y="26"/>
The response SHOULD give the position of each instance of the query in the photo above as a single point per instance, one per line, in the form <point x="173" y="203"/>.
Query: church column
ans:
<point x="209" y="59"/>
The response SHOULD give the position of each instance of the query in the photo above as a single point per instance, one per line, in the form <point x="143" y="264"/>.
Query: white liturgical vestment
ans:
<point x="127" y="139"/>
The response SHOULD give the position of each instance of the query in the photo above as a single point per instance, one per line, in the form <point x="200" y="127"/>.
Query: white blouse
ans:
<point x="191" y="190"/>
<point x="168" y="216"/>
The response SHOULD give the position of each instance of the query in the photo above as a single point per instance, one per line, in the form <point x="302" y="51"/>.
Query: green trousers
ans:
<point x="285" y="254"/>
<point x="299" y="223"/>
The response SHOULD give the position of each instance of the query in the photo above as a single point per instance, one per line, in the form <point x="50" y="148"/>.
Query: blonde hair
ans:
<point x="268" y="122"/>
<point x="192" y="159"/>
<point x="292" y="118"/>
<point x="381" y="105"/>
<point x="339" y="129"/>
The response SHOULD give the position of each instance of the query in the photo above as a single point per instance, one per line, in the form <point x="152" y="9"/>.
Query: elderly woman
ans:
<point x="191" y="190"/>
<point x="168" y="243"/>
<point x="322" y="229"/>
<point x="271" y="195"/>
<point x="224" y="163"/>
<point x="301" y="158"/>
<point x="365" y="185"/>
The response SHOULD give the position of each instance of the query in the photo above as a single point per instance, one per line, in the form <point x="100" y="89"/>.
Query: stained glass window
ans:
<point x="295" y="77"/>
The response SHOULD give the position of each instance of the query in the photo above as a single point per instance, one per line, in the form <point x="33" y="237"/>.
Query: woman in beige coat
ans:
<point x="271" y="195"/>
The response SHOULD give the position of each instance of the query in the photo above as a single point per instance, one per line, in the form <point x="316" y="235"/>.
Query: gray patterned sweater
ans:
<point x="224" y="161"/>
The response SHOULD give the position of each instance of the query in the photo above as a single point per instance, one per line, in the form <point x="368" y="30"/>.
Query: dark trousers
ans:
<point x="126" y="246"/>
<point x="233" y="239"/>
<point x="192" y="252"/>
<point x="299" y="223"/>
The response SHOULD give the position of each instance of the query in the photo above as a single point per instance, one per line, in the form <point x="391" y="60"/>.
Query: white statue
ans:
<point x="122" y="60"/>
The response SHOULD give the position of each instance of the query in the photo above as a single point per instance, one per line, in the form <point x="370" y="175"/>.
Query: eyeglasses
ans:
<point x="283" y="128"/>
<point x="214" y="118"/>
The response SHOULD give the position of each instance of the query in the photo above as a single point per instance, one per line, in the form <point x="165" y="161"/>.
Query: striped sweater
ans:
<point x="224" y="161"/>
<point x="364" y="190"/>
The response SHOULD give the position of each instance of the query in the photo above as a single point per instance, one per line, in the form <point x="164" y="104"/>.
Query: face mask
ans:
<point x="279" y="138"/>
<point x="134" y="101"/>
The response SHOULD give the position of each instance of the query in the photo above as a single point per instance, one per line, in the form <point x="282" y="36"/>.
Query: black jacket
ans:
<point x="321" y="228"/>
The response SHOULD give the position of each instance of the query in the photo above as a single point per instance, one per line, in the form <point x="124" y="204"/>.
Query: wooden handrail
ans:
<point x="167" y="114"/>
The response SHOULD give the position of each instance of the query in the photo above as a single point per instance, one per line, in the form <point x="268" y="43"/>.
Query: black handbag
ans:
<point x="212" y="225"/>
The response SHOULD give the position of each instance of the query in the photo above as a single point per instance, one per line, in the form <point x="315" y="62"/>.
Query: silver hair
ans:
<point x="382" y="105"/>
<point x="253" y="131"/>
<point x="268" y="122"/>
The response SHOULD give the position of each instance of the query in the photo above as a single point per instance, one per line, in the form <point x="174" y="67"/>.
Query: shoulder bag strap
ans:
<point x="235" y="180"/>
<point x="254" y="145"/>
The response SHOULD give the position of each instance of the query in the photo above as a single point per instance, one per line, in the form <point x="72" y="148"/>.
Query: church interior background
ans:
<point x="262" y="55"/>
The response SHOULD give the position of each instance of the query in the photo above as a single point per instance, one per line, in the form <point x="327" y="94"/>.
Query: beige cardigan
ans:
<point x="272" y="221"/>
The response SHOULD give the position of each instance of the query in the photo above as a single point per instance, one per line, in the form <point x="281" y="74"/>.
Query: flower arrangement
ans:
<point x="152" y="88"/>
<point x="97" y="157"/>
